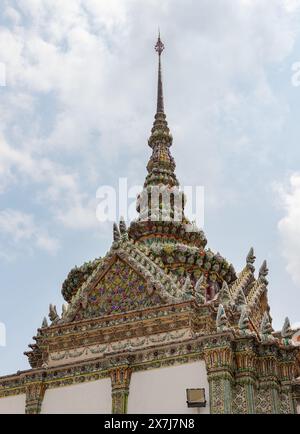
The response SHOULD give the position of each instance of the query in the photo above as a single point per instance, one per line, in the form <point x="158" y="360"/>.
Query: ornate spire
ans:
<point x="159" y="48"/>
<point x="161" y="167"/>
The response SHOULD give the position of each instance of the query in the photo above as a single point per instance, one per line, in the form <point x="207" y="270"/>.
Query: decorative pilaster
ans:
<point x="244" y="394"/>
<point x="296" y="397"/>
<point x="219" y="363"/>
<point x="267" y="400"/>
<point x="120" y="381"/>
<point x="287" y="368"/>
<point x="34" y="397"/>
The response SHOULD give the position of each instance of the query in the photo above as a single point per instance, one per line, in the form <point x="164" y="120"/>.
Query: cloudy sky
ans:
<point x="76" y="113"/>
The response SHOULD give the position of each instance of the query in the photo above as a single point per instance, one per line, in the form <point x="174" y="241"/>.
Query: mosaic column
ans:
<point x="120" y="381"/>
<point x="287" y="375"/>
<point x="34" y="397"/>
<point x="245" y="377"/>
<point x="219" y="364"/>
<point x="267" y="397"/>
<point x="296" y="398"/>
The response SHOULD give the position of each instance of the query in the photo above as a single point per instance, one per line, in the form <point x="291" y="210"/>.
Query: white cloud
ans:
<point x="79" y="84"/>
<point x="62" y="194"/>
<point x="289" y="225"/>
<point x="292" y="5"/>
<point x="20" y="228"/>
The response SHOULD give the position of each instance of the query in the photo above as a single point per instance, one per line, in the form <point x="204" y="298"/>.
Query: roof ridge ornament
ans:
<point x="263" y="273"/>
<point x="250" y="260"/>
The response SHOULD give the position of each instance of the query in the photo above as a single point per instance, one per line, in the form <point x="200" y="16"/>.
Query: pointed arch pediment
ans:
<point x="118" y="289"/>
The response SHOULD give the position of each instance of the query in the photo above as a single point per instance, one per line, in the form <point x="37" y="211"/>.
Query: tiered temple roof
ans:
<point x="160" y="294"/>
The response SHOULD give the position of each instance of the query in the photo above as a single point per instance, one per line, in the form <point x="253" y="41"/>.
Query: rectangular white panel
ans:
<point x="13" y="405"/>
<point x="91" y="397"/>
<point x="164" y="390"/>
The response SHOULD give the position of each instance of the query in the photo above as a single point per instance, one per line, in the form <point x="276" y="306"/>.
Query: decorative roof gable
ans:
<point x="126" y="279"/>
<point x="121" y="289"/>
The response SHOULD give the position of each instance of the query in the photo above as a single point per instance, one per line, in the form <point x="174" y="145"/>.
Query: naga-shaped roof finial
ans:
<point x="122" y="226"/>
<point x="250" y="260"/>
<point x="263" y="272"/>
<point x="53" y="316"/>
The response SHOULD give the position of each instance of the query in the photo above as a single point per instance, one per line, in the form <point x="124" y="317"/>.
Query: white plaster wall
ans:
<point x="164" y="390"/>
<point x="13" y="405"/>
<point x="91" y="397"/>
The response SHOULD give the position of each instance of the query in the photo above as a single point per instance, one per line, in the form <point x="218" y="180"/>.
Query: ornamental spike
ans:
<point x="45" y="323"/>
<point x="286" y="329"/>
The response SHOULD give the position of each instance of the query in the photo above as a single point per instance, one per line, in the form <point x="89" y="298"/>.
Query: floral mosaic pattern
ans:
<point x="120" y="290"/>
<point x="240" y="402"/>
